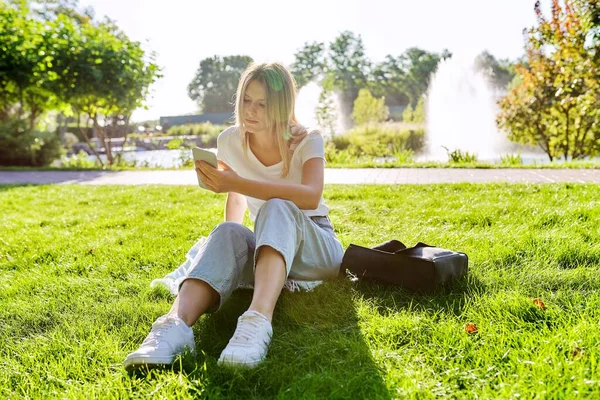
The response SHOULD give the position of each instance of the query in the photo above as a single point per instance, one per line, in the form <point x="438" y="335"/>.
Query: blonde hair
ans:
<point x="280" y="88"/>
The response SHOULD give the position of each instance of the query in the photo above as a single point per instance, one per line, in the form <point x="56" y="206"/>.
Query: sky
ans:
<point x="183" y="32"/>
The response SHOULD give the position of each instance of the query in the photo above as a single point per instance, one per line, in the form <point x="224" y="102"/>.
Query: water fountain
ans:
<point x="307" y="102"/>
<point x="461" y="112"/>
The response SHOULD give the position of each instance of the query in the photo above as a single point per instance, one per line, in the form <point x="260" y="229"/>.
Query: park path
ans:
<point x="332" y="175"/>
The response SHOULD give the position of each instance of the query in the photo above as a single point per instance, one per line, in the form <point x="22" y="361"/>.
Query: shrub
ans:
<point x="79" y="160"/>
<point x="70" y="140"/>
<point x="418" y="114"/>
<point x="511" y="159"/>
<point x="20" y="146"/>
<point x="407" y="114"/>
<point x="458" y="156"/>
<point x="205" y="129"/>
<point x="405" y="156"/>
<point x="381" y="140"/>
<point x="174" y="144"/>
<point x="333" y="155"/>
<point x="368" y="109"/>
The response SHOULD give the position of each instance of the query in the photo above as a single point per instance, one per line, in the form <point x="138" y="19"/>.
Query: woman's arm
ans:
<point x="235" y="207"/>
<point x="305" y="195"/>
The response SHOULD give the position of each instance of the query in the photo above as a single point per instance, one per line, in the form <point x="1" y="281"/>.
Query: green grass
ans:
<point x="76" y="263"/>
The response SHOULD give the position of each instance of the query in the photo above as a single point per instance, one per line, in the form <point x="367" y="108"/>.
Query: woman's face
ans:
<point x="254" y="107"/>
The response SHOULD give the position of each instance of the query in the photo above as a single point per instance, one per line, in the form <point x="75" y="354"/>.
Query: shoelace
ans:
<point x="246" y="330"/>
<point x="296" y="285"/>
<point x="158" y="330"/>
<point x="291" y="285"/>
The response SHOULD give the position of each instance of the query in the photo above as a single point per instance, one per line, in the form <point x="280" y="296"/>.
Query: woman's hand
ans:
<point x="221" y="180"/>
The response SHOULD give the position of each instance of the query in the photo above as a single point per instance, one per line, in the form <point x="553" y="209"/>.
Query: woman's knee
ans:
<point x="228" y="228"/>
<point x="231" y="235"/>
<point x="277" y="207"/>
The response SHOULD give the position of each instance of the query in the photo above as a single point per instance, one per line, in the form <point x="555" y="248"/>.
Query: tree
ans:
<point x="327" y="116"/>
<point x="343" y="68"/>
<point x="215" y="83"/>
<point x="556" y="105"/>
<point x="407" y="114"/>
<point x="368" y="109"/>
<point x="418" y="65"/>
<point x="347" y="69"/>
<point x="55" y="58"/>
<point x="387" y="80"/>
<point x="416" y="115"/>
<point x="109" y="76"/>
<point x="309" y="63"/>
<point x="501" y="72"/>
<point x="25" y="85"/>
<point x="49" y="10"/>
<point x="404" y="79"/>
<point x="592" y="9"/>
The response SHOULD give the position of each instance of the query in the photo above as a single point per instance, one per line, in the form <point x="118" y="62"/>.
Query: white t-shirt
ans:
<point x="230" y="151"/>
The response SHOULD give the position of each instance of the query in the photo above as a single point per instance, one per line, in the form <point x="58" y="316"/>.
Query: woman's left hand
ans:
<point x="221" y="180"/>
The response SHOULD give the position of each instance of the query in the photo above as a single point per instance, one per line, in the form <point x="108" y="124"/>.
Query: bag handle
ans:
<point x="391" y="246"/>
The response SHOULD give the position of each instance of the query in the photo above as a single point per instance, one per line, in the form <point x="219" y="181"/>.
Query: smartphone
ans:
<point x="204" y="155"/>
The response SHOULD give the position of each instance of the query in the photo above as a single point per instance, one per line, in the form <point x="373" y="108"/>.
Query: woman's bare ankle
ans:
<point x="194" y="299"/>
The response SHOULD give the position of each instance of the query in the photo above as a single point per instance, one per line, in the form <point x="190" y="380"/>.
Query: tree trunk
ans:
<point x="100" y="131"/>
<point x="125" y="134"/>
<point x="580" y="138"/>
<point x="62" y="127"/>
<point x="567" y="145"/>
<point x="543" y="139"/>
<point x="87" y="140"/>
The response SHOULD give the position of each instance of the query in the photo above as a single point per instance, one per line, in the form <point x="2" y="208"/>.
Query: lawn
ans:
<point x="76" y="263"/>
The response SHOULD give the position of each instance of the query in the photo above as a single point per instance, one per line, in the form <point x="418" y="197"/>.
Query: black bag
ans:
<point x="419" y="268"/>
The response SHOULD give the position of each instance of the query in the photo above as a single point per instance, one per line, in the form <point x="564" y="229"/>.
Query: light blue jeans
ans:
<point x="309" y="246"/>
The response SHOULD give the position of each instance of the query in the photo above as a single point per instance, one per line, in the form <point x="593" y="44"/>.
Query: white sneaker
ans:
<point x="249" y="344"/>
<point x="168" y="338"/>
<point x="297" y="285"/>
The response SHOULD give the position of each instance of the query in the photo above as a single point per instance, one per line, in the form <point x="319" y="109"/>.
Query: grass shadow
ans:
<point x="317" y="350"/>
<point x="451" y="298"/>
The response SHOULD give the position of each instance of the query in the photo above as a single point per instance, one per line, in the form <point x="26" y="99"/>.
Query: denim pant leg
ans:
<point x="223" y="261"/>
<point x="310" y="251"/>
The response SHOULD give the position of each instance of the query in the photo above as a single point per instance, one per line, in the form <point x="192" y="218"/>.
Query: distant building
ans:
<point x="213" y="118"/>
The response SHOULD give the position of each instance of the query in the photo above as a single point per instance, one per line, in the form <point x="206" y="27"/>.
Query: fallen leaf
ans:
<point x="539" y="303"/>
<point x="578" y="352"/>
<point x="470" y="328"/>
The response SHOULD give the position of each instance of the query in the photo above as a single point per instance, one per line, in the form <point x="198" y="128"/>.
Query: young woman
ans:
<point x="271" y="165"/>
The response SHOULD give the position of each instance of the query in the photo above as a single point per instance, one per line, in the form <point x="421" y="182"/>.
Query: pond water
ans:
<point x="176" y="158"/>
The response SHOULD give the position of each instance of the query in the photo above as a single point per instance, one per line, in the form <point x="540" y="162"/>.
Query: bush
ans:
<point x="174" y="144"/>
<point x="511" y="159"/>
<point x="20" y="146"/>
<point x="207" y="131"/>
<point x="416" y="115"/>
<point x="335" y="156"/>
<point x="406" y="156"/>
<point x="458" y="156"/>
<point x="382" y="140"/>
<point x="70" y="140"/>
<point x="368" y="109"/>
<point x="79" y="160"/>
